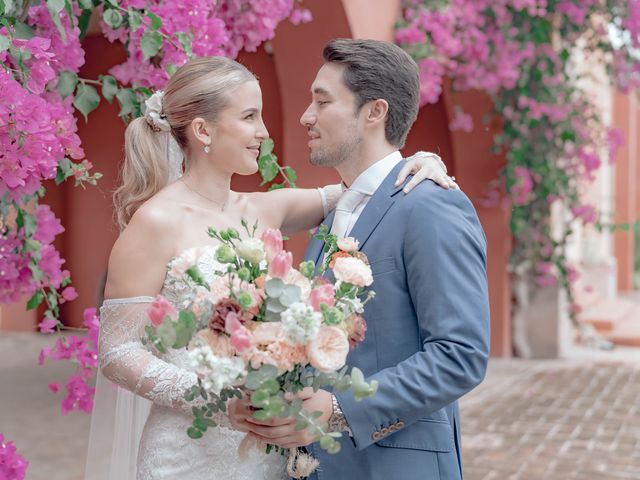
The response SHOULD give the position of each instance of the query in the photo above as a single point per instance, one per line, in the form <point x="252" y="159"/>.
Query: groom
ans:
<point x="427" y="340"/>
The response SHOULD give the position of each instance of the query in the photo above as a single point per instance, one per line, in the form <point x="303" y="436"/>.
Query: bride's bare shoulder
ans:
<point x="137" y="264"/>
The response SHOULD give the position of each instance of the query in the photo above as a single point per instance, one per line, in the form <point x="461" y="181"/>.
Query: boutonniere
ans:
<point x="335" y="248"/>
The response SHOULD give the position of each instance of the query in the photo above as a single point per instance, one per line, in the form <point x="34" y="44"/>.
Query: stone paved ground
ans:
<point x="558" y="420"/>
<point x="533" y="420"/>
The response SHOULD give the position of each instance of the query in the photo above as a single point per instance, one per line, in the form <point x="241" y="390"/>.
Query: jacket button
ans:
<point x="393" y="428"/>
<point x="400" y="424"/>
<point x="376" y="435"/>
<point x="384" y="431"/>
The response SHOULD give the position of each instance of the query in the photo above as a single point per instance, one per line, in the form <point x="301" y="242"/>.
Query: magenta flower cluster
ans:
<point x="521" y="53"/>
<point x="12" y="465"/>
<point x="82" y="351"/>
<point x="215" y="28"/>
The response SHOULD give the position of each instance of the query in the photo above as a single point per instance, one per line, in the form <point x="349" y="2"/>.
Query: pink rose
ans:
<point x="354" y="271"/>
<point x="328" y="351"/>
<point x="281" y="264"/>
<point x="348" y="244"/>
<point x="240" y="336"/>
<point x="322" y="294"/>
<point x="241" y="339"/>
<point x="356" y="329"/>
<point x="272" y="239"/>
<point x="160" y="308"/>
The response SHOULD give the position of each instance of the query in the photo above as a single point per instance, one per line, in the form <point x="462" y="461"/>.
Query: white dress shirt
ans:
<point x="361" y="191"/>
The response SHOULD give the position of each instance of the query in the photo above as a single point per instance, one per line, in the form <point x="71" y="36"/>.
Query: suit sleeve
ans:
<point x="445" y="263"/>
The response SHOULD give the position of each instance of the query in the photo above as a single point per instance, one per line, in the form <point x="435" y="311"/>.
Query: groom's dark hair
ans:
<point x="380" y="70"/>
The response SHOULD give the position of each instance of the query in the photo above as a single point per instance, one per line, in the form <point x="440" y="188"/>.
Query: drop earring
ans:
<point x="207" y="149"/>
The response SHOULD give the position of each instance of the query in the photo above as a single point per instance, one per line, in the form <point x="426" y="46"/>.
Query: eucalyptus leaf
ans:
<point x="301" y="424"/>
<point x="268" y="371"/>
<point x="274" y="306"/>
<point x="274" y="287"/>
<point x="261" y="415"/>
<point x="271" y="386"/>
<point x="290" y="295"/>
<point x="260" y="398"/>
<point x="167" y="333"/>
<point x="254" y="380"/>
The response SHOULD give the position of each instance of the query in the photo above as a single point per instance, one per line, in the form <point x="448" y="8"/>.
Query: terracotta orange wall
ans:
<point x="475" y="168"/>
<point x="627" y="195"/>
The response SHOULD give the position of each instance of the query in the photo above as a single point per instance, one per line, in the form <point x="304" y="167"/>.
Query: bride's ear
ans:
<point x="202" y="131"/>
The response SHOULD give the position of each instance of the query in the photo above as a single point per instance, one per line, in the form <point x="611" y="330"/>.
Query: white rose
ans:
<point x="184" y="262"/>
<point x="348" y="244"/>
<point x="354" y="271"/>
<point x="252" y="250"/>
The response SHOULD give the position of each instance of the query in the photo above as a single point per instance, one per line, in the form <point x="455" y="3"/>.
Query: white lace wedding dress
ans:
<point x="164" y="450"/>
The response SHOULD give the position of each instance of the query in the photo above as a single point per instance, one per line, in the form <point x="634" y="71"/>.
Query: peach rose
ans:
<point x="348" y="244"/>
<point x="220" y="344"/>
<point x="328" y="351"/>
<point x="336" y="256"/>
<point x="269" y="346"/>
<point x="354" y="271"/>
<point x="322" y="294"/>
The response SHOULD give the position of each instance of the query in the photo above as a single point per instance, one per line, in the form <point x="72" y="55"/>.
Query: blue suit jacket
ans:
<point x="427" y="341"/>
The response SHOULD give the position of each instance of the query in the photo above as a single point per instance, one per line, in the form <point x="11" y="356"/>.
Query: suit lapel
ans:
<point x="376" y="207"/>
<point x="315" y="248"/>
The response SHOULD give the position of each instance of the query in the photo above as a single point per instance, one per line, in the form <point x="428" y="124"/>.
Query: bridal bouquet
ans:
<point x="264" y="329"/>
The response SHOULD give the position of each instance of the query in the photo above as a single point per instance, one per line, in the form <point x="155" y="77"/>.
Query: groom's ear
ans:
<point x="376" y="111"/>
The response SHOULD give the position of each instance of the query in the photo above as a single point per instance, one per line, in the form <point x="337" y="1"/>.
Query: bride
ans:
<point x="208" y="122"/>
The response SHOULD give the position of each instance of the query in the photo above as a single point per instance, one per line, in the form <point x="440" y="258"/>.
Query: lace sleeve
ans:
<point x="330" y="195"/>
<point x="127" y="362"/>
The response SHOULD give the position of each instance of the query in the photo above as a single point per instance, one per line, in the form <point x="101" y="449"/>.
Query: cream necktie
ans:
<point x="347" y="204"/>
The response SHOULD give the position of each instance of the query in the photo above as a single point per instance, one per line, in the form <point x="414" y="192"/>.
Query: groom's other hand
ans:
<point x="284" y="434"/>
<point x="239" y="410"/>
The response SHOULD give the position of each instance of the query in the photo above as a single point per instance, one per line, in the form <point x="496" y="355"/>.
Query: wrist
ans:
<point x="337" y="421"/>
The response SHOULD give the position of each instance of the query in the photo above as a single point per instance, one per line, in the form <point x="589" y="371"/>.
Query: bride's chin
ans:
<point x="247" y="170"/>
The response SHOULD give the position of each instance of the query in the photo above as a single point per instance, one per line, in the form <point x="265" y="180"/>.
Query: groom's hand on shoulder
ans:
<point x="282" y="432"/>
